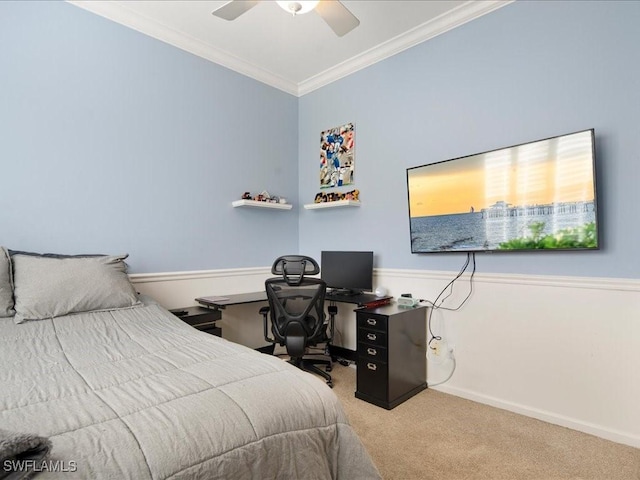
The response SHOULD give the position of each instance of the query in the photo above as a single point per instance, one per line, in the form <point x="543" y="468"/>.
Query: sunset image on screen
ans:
<point x="532" y="174"/>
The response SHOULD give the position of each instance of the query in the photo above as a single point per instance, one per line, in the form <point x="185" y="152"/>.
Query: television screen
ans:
<point x="535" y="196"/>
<point x="347" y="272"/>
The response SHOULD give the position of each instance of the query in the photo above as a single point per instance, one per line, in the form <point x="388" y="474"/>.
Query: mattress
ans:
<point x="136" y="393"/>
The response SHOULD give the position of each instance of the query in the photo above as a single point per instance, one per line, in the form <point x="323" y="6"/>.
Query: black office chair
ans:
<point x="296" y="312"/>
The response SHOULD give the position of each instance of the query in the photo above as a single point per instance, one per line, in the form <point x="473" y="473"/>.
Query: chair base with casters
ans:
<point x="295" y="315"/>
<point x="311" y="365"/>
<point x="295" y="343"/>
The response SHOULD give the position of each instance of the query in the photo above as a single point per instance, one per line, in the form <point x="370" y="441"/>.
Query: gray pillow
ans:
<point x="46" y="287"/>
<point x="53" y="255"/>
<point x="6" y="285"/>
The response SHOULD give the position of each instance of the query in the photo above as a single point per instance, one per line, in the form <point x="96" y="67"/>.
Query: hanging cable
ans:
<point x="431" y="385"/>
<point x="471" y="259"/>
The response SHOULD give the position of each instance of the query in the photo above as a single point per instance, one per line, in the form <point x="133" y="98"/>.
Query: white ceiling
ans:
<point x="294" y="54"/>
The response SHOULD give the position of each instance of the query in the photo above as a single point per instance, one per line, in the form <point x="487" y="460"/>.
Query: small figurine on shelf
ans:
<point x="337" y="196"/>
<point x="263" y="197"/>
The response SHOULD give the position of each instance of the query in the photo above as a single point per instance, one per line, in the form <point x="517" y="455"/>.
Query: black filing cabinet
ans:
<point x="201" y="318"/>
<point x="392" y="363"/>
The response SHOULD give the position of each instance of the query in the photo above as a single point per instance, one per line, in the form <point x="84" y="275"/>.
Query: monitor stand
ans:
<point x="343" y="292"/>
<point x="355" y="297"/>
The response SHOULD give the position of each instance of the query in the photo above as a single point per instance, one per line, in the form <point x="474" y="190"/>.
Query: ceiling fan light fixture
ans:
<point x="298" y="8"/>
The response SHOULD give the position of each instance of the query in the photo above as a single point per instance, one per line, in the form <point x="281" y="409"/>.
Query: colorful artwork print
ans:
<point x="337" y="156"/>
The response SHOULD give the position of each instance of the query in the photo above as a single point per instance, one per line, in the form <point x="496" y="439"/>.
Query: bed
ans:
<point x="121" y="388"/>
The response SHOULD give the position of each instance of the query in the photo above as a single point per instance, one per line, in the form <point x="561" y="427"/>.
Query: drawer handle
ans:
<point x="372" y="366"/>
<point x="371" y="336"/>
<point x="372" y="351"/>
<point x="372" y="321"/>
<point x="205" y="324"/>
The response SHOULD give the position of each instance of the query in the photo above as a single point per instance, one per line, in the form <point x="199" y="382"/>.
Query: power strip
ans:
<point x="407" y="301"/>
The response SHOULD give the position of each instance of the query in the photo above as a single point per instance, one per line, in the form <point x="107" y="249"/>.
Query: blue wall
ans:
<point x="111" y="141"/>
<point x="527" y="71"/>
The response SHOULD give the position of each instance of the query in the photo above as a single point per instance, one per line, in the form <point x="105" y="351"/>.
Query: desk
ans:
<point x="222" y="301"/>
<point x="217" y="303"/>
<point x="391" y="345"/>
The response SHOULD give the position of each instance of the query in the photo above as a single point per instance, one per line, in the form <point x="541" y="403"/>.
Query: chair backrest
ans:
<point x="296" y="303"/>
<point x="293" y="268"/>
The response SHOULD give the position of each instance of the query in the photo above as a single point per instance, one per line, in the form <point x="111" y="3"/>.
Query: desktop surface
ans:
<point x="235" y="299"/>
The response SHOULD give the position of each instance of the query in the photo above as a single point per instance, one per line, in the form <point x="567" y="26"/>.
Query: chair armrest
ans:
<point x="264" y="311"/>
<point x="333" y="311"/>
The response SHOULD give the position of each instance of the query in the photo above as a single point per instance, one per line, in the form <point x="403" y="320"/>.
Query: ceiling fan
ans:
<point x="337" y="16"/>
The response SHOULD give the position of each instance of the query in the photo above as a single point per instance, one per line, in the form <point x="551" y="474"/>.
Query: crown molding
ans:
<point x="441" y="24"/>
<point x="119" y="13"/>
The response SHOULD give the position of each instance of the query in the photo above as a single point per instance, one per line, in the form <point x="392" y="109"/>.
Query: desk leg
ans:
<point x="339" y="354"/>
<point x="268" y="349"/>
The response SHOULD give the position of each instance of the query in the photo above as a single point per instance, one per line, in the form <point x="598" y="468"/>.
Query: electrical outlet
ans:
<point x="440" y="352"/>
<point x="440" y="348"/>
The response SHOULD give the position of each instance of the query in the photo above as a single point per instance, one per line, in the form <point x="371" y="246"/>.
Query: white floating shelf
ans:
<point x="338" y="203"/>
<point x="256" y="204"/>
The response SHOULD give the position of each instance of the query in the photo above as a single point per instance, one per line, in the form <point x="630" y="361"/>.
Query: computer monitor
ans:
<point x="348" y="273"/>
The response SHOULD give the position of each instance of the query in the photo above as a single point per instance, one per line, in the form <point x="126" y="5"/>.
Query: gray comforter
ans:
<point x="136" y="394"/>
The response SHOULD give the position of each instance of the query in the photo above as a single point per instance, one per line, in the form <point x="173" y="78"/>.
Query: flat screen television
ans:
<point x="348" y="273"/>
<point x="535" y="196"/>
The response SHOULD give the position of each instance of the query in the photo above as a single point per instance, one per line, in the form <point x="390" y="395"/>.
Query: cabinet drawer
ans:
<point x="200" y="320"/>
<point x="372" y="352"/>
<point x="197" y="316"/>
<point x="372" y="337"/>
<point x="372" y="378"/>
<point x="211" y="330"/>
<point x="372" y="322"/>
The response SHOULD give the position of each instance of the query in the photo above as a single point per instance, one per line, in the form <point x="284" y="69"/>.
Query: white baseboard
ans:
<point x="545" y="416"/>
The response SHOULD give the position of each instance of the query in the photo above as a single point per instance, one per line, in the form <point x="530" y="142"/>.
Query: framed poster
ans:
<point x="337" y="146"/>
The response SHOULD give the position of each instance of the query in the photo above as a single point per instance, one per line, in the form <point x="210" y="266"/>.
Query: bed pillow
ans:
<point x="53" y="255"/>
<point x="6" y="285"/>
<point x="46" y="287"/>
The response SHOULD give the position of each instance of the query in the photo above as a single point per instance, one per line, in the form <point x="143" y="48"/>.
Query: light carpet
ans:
<point x="435" y="435"/>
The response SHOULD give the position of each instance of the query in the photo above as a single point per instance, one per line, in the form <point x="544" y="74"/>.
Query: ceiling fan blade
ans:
<point x="337" y="16"/>
<point x="233" y="9"/>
